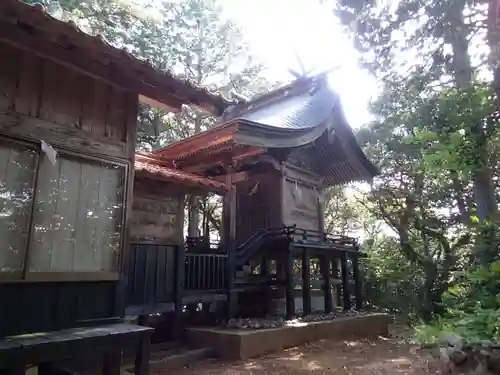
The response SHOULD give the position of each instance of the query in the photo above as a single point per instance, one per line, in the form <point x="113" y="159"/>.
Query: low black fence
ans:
<point x="155" y="271"/>
<point x="151" y="274"/>
<point x="206" y="272"/>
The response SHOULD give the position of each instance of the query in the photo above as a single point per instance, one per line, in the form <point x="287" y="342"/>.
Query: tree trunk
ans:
<point x="483" y="188"/>
<point x="494" y="44"/>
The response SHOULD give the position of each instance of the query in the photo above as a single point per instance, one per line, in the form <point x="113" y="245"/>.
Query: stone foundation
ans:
<point x="243" y="344"/>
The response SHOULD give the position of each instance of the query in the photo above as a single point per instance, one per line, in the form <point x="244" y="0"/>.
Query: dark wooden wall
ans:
<point x="40" y="99"/>
<point x="151" y="274"/>
<point x="46" y="306"/>
<point x="257" y="205"/>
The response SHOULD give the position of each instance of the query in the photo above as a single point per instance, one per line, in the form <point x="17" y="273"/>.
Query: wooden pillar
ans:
<point x="264" y="266"/>
<point x="290" y="298"/>
<point x="358" y="293"/>
<point x="345" y="282"/>
<point x="327" y="281"/>
<point x="336" y="276"/>
<point x="230" y="240"/>
<point x="306" y="282"/>
<point x="282" y="187"/>
<point x="141" y="365"/>
<point x="111" y="362"/>
<point x="321" y="215"/>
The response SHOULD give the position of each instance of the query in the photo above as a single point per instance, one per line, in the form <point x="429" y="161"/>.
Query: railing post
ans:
<point x="178" y="290"/>
<point x="327" y="282"/>
<point x="345" y="282"/>
<point x="357" y="282"/>
<point x="306" y="282"/>
<point x="289" y="296"/>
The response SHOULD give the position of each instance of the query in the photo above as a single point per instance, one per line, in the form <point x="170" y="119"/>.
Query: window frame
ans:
<point x="54" y="276"/>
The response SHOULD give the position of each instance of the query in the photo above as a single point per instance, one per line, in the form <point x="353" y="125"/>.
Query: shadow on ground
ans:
<point x="380" y="357"/>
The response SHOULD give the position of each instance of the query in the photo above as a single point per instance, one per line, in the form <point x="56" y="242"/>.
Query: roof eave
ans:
<point x="30" y="28"/>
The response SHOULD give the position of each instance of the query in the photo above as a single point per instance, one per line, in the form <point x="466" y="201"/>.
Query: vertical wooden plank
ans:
<point x="44" y="217"/>
<point x="17" y="173"/>
<point x="30" y="86"/>
<point x="86" y="224"/>
<point x="178" y="290"/>
<point x="9" y="75"/>
<point x="50" y="103"/>
<point x="110" y="225"/>
<point x="345" y="282"/>
<point x="70" y="97"/>
<point x="94" y="107"/>
<point x="62" y="252"/>
<point x="88" y="91"/>
<point x="306" y="282"/>
<point x="290" y="298"/>
<point x="117" y="123"/>
<point x="358" y="292"/>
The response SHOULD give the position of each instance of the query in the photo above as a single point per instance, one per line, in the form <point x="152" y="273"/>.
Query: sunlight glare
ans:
<point x="276" y="29"/>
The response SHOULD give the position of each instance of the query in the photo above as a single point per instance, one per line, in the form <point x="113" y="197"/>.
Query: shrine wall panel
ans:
<point x="157" y="213"/>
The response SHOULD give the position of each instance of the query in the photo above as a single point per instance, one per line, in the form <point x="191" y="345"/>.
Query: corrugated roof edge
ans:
<point x="157" y="167"/>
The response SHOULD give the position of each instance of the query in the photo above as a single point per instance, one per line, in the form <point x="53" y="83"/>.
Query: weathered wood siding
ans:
<point x="257" y="205"/>
<point x="157" y="213"/>
<point x="40" y="99"/>
<point x="300" y="199"/>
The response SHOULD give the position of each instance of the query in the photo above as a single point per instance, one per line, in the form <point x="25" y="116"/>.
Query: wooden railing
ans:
<point x="348" y="243"/>
<point x="161" y="273"/>
<point x="205" y="271"/>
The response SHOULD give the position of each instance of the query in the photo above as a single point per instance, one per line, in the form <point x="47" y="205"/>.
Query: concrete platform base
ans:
<point x="243" y="343"/>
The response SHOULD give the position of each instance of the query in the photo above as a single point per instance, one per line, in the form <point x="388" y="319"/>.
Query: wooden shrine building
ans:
<point x="93" y="231"/>
<point x="68" y="123"/>
<point x="276" y="153"/>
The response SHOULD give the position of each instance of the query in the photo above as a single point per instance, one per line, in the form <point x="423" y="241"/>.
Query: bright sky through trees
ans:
<point x="275" y="28"/>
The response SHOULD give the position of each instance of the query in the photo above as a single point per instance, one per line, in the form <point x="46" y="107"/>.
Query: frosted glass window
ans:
<point x="77" y="222"/>
<point x="17" y="174"/>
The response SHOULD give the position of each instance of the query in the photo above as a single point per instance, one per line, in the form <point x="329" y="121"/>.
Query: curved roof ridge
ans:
<point x="294" y="88"/>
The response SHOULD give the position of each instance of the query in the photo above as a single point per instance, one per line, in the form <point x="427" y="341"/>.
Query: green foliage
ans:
<point x="471" y="307"/>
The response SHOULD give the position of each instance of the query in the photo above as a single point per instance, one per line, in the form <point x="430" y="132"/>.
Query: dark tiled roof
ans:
<point x="16" y="12"/>
<point x="151" y="168"/>
<point x="303" y="111"/>
<point x="304" y="104"/>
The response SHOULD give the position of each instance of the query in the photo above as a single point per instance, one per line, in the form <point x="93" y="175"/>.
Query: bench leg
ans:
<point x="142" y="357"/>
<point x="14" y="369"/>
<point x="111" y="364"/>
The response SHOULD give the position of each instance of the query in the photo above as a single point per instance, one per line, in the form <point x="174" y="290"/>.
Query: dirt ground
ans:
<point x="384" y="356"/>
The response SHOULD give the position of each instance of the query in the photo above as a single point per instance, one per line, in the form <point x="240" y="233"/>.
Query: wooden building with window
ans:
<point x="68" y="120"/>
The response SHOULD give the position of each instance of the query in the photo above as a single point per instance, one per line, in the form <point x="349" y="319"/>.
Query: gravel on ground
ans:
<point x="383" y="356"/>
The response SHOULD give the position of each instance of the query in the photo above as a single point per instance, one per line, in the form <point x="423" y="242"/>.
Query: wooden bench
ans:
<point x="46" y="349"/>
